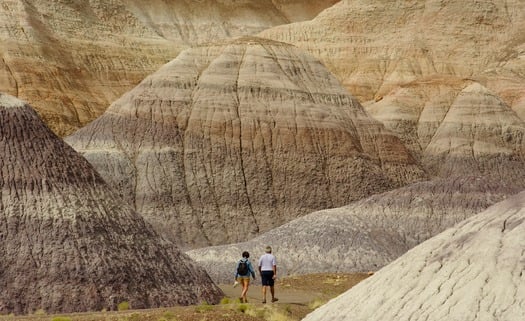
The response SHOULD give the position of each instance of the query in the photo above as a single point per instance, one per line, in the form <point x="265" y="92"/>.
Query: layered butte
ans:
<point x="68" y="243"/>
<point x="71" y="59"/>
<point x="231" y="139"/>
<point x="375" y="46"/>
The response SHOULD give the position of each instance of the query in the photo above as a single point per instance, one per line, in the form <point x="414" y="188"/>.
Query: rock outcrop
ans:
<point x="71" y="59"/>
<point x="365" y="235"/>
<point x="456" y="127"/>
<point x="68" y="243"/>
<point x="232" y="139"/>
<point x="473" y="271"/>
<point x="375" y="46"/>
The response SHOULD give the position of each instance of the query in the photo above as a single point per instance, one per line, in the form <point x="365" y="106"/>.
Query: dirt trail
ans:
<point x="284" y="294"/>
<point x="301" y="290"/>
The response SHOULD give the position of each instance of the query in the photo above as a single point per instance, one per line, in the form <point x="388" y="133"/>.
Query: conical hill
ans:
<point x="68" y="243"/>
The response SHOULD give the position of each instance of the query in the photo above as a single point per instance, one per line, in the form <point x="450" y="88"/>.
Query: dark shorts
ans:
<point x="267" y="278"/>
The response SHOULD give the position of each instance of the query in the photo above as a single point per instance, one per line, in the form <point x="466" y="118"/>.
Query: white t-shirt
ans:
<point x="266" y="262"/>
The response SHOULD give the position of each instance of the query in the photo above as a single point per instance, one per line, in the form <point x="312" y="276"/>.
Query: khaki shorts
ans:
<point x="244" y="279"/>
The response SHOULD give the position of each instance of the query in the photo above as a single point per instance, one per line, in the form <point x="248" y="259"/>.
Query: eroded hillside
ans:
<point x="375" y="46"/>
<point x="71" y="59"/>
<point x="68" y="242"/>
<point x="234" y="138"/>
<point x="473" y="270"/>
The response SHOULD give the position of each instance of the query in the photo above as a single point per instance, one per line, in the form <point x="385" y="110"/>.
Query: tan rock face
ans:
<point x="300" y="10"/>
<point x="72" y="59"/>
<point x="474" y="270"/>
<point x="479" y="134"/>
<point x="375" y="46"/>
<point x="456" y="127"/>
<point x="68" y="242"/>
<point x="416" y="110"/>
<point x="230" y="140"/>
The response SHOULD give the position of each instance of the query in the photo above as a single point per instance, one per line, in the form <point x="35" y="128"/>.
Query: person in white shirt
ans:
<point x="268" y="271"/>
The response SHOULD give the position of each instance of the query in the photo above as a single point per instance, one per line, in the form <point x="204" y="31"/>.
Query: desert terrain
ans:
<point x="298" y="295"/>
<point x="144" y="145"/>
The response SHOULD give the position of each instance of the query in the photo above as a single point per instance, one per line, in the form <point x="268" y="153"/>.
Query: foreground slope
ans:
<point x="232" y="139"/>
<point x="473" y="271"/>
<point x="71" y="59"/>
<point x="68" y="243"/>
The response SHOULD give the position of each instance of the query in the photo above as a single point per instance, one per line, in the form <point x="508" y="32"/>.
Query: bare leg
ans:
<point x="245" y="285"/>
<point x="273" y="294"/>
<point x="264" y="293"/>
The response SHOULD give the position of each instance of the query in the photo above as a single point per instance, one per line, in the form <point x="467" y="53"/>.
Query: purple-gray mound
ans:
<point x="365" y="235"/>
<point x="67" y="242"/>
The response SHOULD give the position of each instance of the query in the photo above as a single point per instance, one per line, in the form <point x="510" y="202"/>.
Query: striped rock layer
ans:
<point x="71" y="59"/>
<point x="473" y="271"/>
<point x="457" y="127"/>
<point x="231" y="139"/>
<point x="68" y="243"/>
<point x="375" y="46"/>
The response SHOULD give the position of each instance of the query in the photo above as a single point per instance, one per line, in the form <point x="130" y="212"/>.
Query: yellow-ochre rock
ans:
<point x="72" y="59"/>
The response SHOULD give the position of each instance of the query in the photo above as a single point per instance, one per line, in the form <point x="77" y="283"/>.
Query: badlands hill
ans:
<point x="365" y="235"/>
<point x="68" y="243"/>
<point x="448" y="77"/>
<point x="473" y="271"/>
<point x="375" y="46"/>
<point x="231" y="139"/>
<point x="456" y="128"/>
<point x="71" y="59"/>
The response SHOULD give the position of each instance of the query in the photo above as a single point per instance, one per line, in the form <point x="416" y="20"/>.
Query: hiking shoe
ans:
<point x="275" y="299"/>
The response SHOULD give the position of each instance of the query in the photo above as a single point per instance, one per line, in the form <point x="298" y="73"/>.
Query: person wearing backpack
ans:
<point x="242" y="274"/>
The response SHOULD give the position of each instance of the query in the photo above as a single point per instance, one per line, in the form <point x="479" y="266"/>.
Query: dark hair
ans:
<point x="245" y="254"/>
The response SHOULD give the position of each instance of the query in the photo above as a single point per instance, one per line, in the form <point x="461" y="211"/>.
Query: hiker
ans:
<point x="268" y="271"/>
<point x="242" y="275"/>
